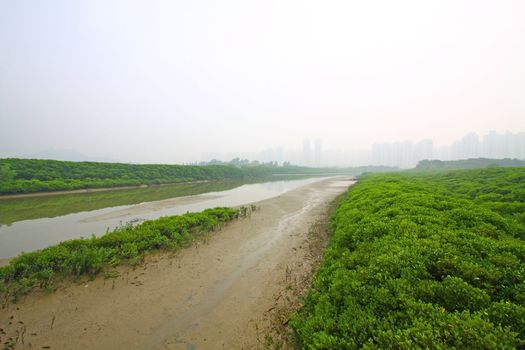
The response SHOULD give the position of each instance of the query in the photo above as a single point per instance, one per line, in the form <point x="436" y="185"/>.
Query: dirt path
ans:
<point x="215" y="295"/>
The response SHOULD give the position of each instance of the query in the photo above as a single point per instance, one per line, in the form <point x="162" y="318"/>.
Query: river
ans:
<point x="28" y="224"/>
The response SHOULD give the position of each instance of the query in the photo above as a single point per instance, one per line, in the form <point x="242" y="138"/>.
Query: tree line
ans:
<point x="37" y="175"/>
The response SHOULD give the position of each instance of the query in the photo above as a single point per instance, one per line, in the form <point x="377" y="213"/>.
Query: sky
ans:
<point x="168" y="81"/>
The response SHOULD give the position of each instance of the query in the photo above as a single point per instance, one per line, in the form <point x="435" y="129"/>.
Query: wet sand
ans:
<point x="148" y="207"/>
<point x="215" y="295"/>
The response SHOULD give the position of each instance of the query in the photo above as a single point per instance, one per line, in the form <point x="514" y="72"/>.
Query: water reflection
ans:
<point x="18" y="209"/>
<point x="35" y="234"/>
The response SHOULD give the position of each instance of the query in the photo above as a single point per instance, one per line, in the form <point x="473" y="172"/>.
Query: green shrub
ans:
<point x="422" y="260"/>
<point x="79" y="257"/>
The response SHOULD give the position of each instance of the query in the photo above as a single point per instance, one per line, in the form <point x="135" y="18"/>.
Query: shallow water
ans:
<point x="53" y="204"/>
<point x="29" y="235"/>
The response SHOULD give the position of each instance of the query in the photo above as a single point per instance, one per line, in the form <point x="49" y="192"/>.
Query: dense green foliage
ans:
<point x="423" y="260"/>
<point x="6" y="174"/>
<point x="469" y="163"/>
<point x="88" y="256"/>
<point x="38" y="175"/>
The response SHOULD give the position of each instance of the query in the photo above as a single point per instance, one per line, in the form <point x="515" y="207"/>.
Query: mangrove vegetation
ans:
<point x="37" y="175"/>
<point x="423" y="260"/>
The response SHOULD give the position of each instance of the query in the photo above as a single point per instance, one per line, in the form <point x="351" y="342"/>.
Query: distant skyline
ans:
<point x="403" y="154"/>
<point x="166" y="81"/>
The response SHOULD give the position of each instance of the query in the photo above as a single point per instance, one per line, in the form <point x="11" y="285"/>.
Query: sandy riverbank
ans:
<point x="215" y="295"/>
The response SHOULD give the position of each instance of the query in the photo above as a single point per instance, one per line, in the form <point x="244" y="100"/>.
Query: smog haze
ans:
<point x="185" y="81"/>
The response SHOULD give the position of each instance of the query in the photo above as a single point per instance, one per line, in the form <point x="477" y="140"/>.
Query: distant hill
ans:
<point x="469" y="163"/>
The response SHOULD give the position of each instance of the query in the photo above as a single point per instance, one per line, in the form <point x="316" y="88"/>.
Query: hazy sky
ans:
<point x="165" y="81"/>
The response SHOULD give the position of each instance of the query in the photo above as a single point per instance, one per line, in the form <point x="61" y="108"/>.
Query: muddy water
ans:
<point x="29" y="235"/>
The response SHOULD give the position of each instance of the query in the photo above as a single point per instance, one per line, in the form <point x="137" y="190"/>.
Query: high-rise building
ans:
<point x="402" y="154"/>
<point x="490" y="145"/>
<point x="467" y="147"/>
<point x="423" y="150"/>
<point x="519" y="146"/>
<point x="318" y="149"/>
<point x="307" y="153"/>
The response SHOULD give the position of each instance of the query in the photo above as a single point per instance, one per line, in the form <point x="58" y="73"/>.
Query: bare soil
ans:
<point x="234" y="290"/>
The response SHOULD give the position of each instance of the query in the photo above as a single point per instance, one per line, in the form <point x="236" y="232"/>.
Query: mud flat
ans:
<point x="219" y="294"/>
